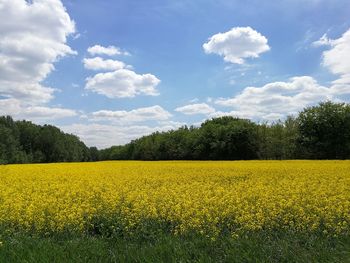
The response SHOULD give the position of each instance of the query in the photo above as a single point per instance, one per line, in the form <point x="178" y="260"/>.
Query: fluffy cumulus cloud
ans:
<point x="120" y="81"/>
<point x="123" y="83"/>
<point x="99" y="63"/>
<point x="336" y="59"/>
<point x="109" y="51"/>
<point x="103" y="136"/>
<point x="276" y="100"/>
<point x="156" y="113"/>
<point x="198" y="108"/>
<point x="237" y="44"/>
<point x="33" y="37"/>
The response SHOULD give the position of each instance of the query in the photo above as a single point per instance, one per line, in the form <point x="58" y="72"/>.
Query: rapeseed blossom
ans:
<point x="206" y="197"/>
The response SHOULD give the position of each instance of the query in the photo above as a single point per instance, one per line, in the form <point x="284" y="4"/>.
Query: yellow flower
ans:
<point x="207" y="197"/>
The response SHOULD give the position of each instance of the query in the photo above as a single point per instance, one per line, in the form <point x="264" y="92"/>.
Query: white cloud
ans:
<point x="47" y="113"/>
<point x="123" y="83"/>
<point x="198" y="108"/>
<point x="137" y="115"/>
<point x="278" y="99"/>
<point x="109" y="51"/>
<point x="99" y="63"/>
<point x="237" y="44"/>
<point x="17" y="110"/>
<point x="341" y="86"/>
<point x="27" y="92"/>
<point x="33" y="38"/>
<point x="336" y="59"/>
<point x="104" y="136"/>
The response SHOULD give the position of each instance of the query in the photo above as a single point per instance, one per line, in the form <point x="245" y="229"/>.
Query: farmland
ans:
<point x="288" y="201"/>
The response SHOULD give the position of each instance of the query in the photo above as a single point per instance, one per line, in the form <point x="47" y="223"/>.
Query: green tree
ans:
<point x="325" y="131"/>
<point x="94" y="154"/>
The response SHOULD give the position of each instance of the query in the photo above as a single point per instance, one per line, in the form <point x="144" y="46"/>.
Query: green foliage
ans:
<point x="229" y="138"/>
<point x="224" y="138"/>
<point x="325" y="131"/>
<point x="9" y="144"/>
<point x="94" y="154"/>
<point x="278" y="141"/>
<point x="25" y="142"/>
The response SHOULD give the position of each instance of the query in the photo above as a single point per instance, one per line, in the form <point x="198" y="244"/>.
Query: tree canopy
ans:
<point x="325" y="131"/>
<point x="25" y="142"/>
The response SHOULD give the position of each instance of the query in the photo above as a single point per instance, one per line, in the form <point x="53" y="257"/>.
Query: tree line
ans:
<point x="25" y="142"/>
<point x="318" y="132"/>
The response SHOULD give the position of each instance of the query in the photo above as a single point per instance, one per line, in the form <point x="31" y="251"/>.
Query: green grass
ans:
<point x="257" y="247"/>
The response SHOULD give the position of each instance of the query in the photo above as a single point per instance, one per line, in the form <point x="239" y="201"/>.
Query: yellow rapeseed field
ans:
<point x="206" y="197"/>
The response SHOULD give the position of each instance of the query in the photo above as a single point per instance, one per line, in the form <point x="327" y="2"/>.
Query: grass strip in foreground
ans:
<point x="255" y="247"/>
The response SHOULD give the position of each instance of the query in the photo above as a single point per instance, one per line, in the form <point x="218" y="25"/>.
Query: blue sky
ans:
<point x="111" y="71"/>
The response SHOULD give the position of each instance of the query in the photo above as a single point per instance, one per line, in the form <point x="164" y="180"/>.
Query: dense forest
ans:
<point x="25" y="142"/>
<point x="319" y="132"/>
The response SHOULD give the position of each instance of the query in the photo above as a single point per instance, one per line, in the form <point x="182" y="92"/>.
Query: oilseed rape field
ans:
<point x="178" y="197"/>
